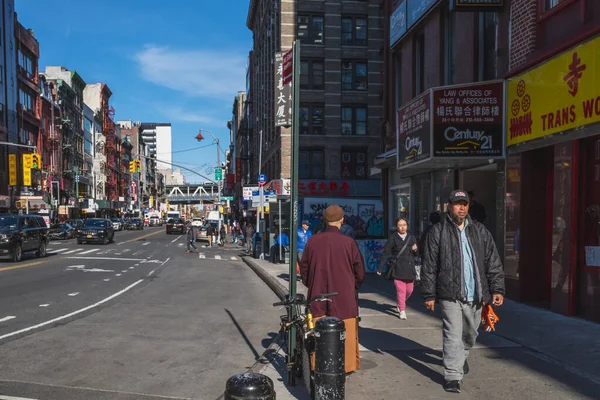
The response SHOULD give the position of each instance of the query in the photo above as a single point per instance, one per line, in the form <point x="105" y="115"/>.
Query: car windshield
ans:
<point x="135" y="220"/>
<point x="115" y="220"/>
<point x="8" y="222"/>
<point x="94" y="223"/>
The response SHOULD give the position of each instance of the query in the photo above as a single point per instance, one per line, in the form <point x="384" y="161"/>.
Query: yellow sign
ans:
<point x="12" y="169"/>
<point x="27" y="161"/>
<point x="27" y="164"/>
<point x="561" y="94"/>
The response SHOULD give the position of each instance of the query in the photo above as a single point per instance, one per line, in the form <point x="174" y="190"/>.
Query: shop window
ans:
<point x="311" y="120"/>
<point x="311" y="76"/>
<point x="400" y="205"/>
<point x="311" y="164"/>
<point x="354" y="120"/>
<point x="354" y="75"/>
<point x="419" y="64"/>
<point x="310" y="29"/>
<point x="354" y="31"/>
<point x="354" y="163"/>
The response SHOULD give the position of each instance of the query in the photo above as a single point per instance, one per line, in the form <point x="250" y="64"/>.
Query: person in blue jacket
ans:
<point x="282" y="241"/>
<point x="303" y="234"/>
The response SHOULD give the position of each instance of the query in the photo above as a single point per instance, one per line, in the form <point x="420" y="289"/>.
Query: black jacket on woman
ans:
<point x="404" y="267"/>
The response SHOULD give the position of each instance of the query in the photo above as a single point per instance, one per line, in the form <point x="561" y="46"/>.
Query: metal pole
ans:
<point x="280" y="229"/>
<point x="260" y="191"/>
<point x="220" y="183"/>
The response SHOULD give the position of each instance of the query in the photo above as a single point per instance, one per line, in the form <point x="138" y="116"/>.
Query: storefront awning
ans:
<point x="386" y="160"/>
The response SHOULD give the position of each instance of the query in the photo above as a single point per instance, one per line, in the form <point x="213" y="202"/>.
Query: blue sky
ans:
<point x="178" y="61"/>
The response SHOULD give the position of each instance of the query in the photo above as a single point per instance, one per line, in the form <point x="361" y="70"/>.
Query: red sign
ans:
<point x="288" y="66"/>
<point x="324" y="188"/>
<point x="230" y="181"/>
<point x="238" y="169"/>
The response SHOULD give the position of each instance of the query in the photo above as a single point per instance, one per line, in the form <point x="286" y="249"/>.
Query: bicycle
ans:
<point x="298" y="360"/>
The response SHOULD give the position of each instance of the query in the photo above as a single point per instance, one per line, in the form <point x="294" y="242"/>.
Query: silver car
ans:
<point x="117" y="224"/>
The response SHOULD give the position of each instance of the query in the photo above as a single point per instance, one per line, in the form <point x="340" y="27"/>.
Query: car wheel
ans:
<point x="42" y="250"/>
<point x="17" y="254"/>
<point x="79" y="241"/>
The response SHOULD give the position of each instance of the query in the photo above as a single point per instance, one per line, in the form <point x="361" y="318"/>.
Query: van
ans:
<point x="213" y="216"/>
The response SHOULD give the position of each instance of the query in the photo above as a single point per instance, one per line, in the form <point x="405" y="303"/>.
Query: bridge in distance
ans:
<point x="191" y="193"/>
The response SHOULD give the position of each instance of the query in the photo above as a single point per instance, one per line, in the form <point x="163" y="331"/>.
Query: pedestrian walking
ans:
<point x="331" y="262"/>
<point x="462" y="272"/>
<point x="191" y="238"/>
<point x="304" y="234"/>
<point x="399" y="255"/>
<point x="249" y="237"/>
<point x="210" y="231"/>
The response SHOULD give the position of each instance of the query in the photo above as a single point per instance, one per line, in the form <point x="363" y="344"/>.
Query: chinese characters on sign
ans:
<point x="468" y="120"/>
<point x="321" y="188"/>
<point x="414" y="131"/>
<point x="12" y="169"/>
<point x="283" y="94"/>
<point x="354" y="163"/>
<point x="288" y="66"/>
<point x="575" y="73"/>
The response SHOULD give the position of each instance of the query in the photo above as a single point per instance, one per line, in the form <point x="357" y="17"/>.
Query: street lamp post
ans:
<point x="199" y="137"/>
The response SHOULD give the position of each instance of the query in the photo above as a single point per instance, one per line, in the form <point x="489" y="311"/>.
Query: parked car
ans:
<point x="155" y="221"/>
<point x="135" y="224"/>
<point x="201" y="233"/>
<point x="75" y="223"/>
<point x="175" y="225"/>
<point x="96" y="230"/>
<point x="118" y="224"/>
<point x="22" y="233"/>
<point x="62" y="232"/>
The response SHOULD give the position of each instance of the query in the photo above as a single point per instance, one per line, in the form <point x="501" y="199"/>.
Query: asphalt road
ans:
<point x="136" y="319"/>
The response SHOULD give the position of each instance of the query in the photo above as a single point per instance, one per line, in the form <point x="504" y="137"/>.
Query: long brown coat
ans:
<point x="331" y="262"/>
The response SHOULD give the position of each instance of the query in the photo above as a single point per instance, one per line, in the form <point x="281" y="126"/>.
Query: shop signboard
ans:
<point x="413" y="131"/>
<point x="398" y="22"/>
<point x="283" y="94"/>
<point x="468" y="120"/>
<point x="416" y="9"/>
<point x="560" y="94"/>
<point x="476" y="5"/>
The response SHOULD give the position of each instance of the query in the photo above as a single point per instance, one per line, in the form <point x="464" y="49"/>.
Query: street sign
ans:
<point x="218" y="174"/>
<point x="288" y="66"/>
<point x="230" y="198"/>
<point x="219" y="203"/>
<point x="262" y="179"/>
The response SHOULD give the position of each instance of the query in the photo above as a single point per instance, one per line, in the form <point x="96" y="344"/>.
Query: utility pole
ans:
<point x="199" y="137"/>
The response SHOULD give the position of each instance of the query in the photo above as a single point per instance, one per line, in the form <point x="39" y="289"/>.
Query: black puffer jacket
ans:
<point x="442" y="274"/>
<point x="402" y="264"/>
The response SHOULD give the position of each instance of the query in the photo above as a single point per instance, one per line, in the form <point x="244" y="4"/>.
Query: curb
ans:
<point x="272" y="282"/>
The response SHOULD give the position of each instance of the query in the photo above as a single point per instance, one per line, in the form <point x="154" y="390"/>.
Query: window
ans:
<point x="88" y="147"/>
<point x="310" y="29"/>
<point x="354" y="163"/>
<point x="26" y="100"/>
<point x="449" y="48"/>
<point x="311" y="74"/>
<point x="311" y="120"/>
<point x="354" y="31"/>
<point x="25" y="62"/>
<point x="354" y="75"/>
<point x="354" y="120"/>
<point x="311" y="164"/>
<point x="487" y="46"/>
<point x="25" y="136"/>
<point x="87" y="125"/>
<point x="398" y="77"/>
<point x="419" y="56"/>
<point x="548" y="4"/>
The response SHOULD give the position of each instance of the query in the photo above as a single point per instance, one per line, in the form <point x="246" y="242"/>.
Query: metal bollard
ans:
<point x="249" y="386"/>
<point x="330" y="372"/>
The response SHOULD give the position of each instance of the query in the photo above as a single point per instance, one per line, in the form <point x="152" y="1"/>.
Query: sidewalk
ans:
<point x="533" y="354"/>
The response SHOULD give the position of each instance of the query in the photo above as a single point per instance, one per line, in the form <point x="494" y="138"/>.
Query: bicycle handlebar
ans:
<point x="300" y="300"/>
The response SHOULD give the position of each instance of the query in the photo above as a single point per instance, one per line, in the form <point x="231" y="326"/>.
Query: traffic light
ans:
<point x="36" y="161"/>
<point x="132" y="166"/>
<point x="138" y="166"/>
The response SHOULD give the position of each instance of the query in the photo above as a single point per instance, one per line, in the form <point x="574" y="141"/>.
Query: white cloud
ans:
<point x="203" y="73"/>
<point x="179" y="114"/>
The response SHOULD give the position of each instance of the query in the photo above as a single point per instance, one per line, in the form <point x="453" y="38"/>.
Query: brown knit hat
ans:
<point x="333" y="213"/>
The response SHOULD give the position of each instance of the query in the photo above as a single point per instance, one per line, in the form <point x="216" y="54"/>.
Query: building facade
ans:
<point x="553" y="144"/>
<point x="341" y="85"/>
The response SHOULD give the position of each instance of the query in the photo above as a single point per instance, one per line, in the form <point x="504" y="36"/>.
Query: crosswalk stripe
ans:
<point x="217" y="257"/>
<point x="201" y="256"/>
<point x="72" y="251"/>
<point x="88" y="251"/>
<point x="58" y="250"/>
<point x="146" y="244"/>
<point x="233" y="258"/>
<point x="125" y="250"/>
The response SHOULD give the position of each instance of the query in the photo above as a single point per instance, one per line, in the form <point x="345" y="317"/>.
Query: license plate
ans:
<point x="89" y="236"/>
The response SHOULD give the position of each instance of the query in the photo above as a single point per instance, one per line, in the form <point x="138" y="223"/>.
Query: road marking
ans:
<point x="117" y="274"/>
<point x="14" y="398"/>
<point x="107" y="279"/>
<point x="8" y="318"/>
<point x="59" y="250"/>
<point x="88" y="251"/>
<point x="97" y="270"/>
<point x="136" y="265"/>
<point x="73" y="294"/>
<point x="138" y="252"/>
<point x="23" y="265"/>
<point x="72" y="251"/>
<point x="217" y="257"/>
<point x="125" y="250"/>
<point x="52" y="321"/>
<point x="131" y="267"/>
<point x="176" y="239"/>
<point x="124" y="271"/>
<point x="233" y="258"/>
<point x="76" y="267"/>
<point x="107" y="258"/>
<point x="201" y="255"/>
<point x="146" y="244"/>
<point x="163" y="263"/>
<point x="44" y="305"/>
<point x="141" y="237"/>
<point x="181" y="244"/>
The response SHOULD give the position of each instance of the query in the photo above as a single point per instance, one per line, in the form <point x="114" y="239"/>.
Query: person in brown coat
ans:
<point x="331" y="262"/>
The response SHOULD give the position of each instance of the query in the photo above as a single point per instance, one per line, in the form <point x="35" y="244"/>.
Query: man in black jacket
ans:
<point x="461" y="271"/>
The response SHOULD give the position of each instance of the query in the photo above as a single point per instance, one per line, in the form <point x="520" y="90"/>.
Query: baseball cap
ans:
<point x="458" y="195"/>
<point x="305" y="222"/>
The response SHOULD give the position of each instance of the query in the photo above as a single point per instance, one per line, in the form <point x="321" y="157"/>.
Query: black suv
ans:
<point x="96" y="230"/>
<point x="175" y="225"/>
<point x="22" y="233"/>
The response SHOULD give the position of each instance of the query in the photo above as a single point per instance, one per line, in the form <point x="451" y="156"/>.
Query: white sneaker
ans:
<point x="402" y="314"/>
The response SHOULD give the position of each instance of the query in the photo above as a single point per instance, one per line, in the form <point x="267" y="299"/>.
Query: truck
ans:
<point x="173" y="214"/>
<point x="213" y="216"/>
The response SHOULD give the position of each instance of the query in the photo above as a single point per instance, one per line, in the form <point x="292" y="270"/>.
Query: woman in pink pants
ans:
<point x="399" y="255"/>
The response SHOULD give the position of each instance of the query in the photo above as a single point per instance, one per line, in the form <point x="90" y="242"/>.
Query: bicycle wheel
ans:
<point x="307" y="372"/>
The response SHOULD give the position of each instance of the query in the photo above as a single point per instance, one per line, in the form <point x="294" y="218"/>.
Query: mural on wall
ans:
<point x="364" y="215"/>
<point x="372" y="250"/>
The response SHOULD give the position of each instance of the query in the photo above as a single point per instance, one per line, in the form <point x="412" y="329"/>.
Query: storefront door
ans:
<point x="588" y="271"/>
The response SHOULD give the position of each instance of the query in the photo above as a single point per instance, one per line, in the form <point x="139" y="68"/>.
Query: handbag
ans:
<point x="388" y="274"/>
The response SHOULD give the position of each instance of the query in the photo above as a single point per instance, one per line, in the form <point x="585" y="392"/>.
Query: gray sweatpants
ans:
<point x="460" y="325"/>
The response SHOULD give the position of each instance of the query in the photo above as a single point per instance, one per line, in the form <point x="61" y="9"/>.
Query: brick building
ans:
<point x="553" y="144"/>
<point x="341" y="85"/>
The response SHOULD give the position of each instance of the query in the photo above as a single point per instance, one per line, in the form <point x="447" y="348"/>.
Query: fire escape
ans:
<point x="124" y="168"/>
<point x="111" y="168"/>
